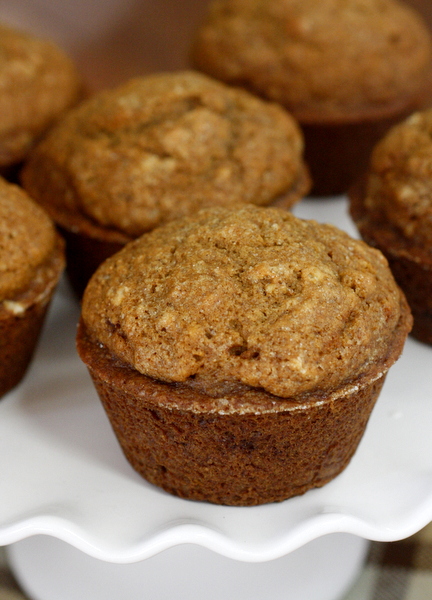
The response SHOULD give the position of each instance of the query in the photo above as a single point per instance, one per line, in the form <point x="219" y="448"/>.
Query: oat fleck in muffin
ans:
<point x="392" y="207"/>
<point x="157" y="148"/>
<point x="38" y="82"/>
<point x="346" y="69"/>
<point x="31" y="262"/>
<point x="239" y="353"/>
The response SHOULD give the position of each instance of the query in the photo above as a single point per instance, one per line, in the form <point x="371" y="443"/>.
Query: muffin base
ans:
<point x="83" y="256"/>
<point x="18" y="339"/>
<point x="411" y="266"/>
<point x="337" y="152"/>
<point x="251" y="449"/>
<point x="19" y="333"/>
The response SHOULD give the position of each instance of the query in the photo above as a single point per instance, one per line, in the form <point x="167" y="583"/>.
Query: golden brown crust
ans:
<point x="331" y="60"/>
<point x="392" y="211"/>
<point x="27" y="240"/>
<point x="31" y="263"/>
<point x="160" y="147"/>
<point x="38" y="83"/>
<point x="246" y="299"/>
<point x="398" y="188"/>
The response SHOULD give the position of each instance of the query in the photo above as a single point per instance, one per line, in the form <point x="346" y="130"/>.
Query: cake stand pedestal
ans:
<point x="324" y="569"/>
<point x="81" y="524"/>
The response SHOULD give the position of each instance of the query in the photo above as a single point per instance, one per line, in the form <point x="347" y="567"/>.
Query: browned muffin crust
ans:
<point x="239" y="353"/>
<point x="160" y="147"/>
<point x="31" y="262"/>
<point x="331" y="60"/>
<point x="392" y="208"/>
<point x="27" y="240"/>
<point x="243" y="450"/>
<point x="399" y="183"/>
<point x="38" y="83"/>
<point x="245" y="299"/>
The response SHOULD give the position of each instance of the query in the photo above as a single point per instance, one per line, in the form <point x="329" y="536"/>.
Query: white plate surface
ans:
<point x="63" y="474"/>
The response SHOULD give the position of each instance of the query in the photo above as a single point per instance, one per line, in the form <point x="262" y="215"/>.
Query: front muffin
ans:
<point x="31" y="262"/>
<point x="239" y="353"/>
<point x="392" y="207"/>
<point x="38" y="84"/>
<point x="345" y="70"/>
<point x="157" y="148"/>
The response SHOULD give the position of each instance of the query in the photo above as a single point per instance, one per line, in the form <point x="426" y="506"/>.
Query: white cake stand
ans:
<point x="80" y="524"/>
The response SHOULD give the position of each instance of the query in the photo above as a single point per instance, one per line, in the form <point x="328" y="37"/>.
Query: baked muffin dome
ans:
<point x="31" y="262"/>
<point x="248" y="331"/>
<point x="392" y="207"/>
<point x="38" y="83"/>
<point x="159" y="147"/>
<point x="332" y="64"/>
<point x="329" y="57"/>
<point x="255" y="298"/>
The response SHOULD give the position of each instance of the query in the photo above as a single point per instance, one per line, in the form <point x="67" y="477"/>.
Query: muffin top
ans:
<point x="248" y="298"/>
<point x="38" y="82"/>
<point x="160" y="147"/>
<point x="27" y="239"/>
<point x="398" y="187"/>
<point x="326" y="59"/>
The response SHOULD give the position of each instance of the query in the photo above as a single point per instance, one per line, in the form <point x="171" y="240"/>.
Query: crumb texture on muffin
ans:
<point x="399" y="182"/>
<point x="27" y="240"/>
<point x="162" y="146"/>
<point x="317" y="57"/>
<point x="250" y="298"/>
<point x="38" y="82"/>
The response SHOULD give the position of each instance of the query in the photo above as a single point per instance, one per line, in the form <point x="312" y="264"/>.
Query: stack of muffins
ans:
<point x="238" y="350"/>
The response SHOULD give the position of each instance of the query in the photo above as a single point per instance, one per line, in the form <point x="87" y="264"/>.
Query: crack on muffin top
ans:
<point x="162" y="146"/>
<point x="251" y="298"/>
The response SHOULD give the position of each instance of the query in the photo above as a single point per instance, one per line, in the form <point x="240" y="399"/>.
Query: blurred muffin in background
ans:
<point x="392" y="208"/>
<point x="31" y="262"/>
<point x="346" y="70"/>
<point x="38" y="83"/>
<point x="157" y="148"/>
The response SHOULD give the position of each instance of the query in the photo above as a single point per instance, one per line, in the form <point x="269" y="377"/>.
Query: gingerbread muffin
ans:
<point x="392" y="207"/>
<point x="38" y="84"/>
<point x="157" y="148"/>
<point x="31" y="262"/>
<point x="347" y="71"/>
<point x="239" y="353"/>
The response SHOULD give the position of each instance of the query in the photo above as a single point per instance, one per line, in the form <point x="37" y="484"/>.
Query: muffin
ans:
<point x="392" y="208"/>
<point x="31" y="262"/>
<point x="38" y="84"/>
<point x="157" y="148"/>
<point x="239" y="352"/>
<point x="347" y="71"/>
